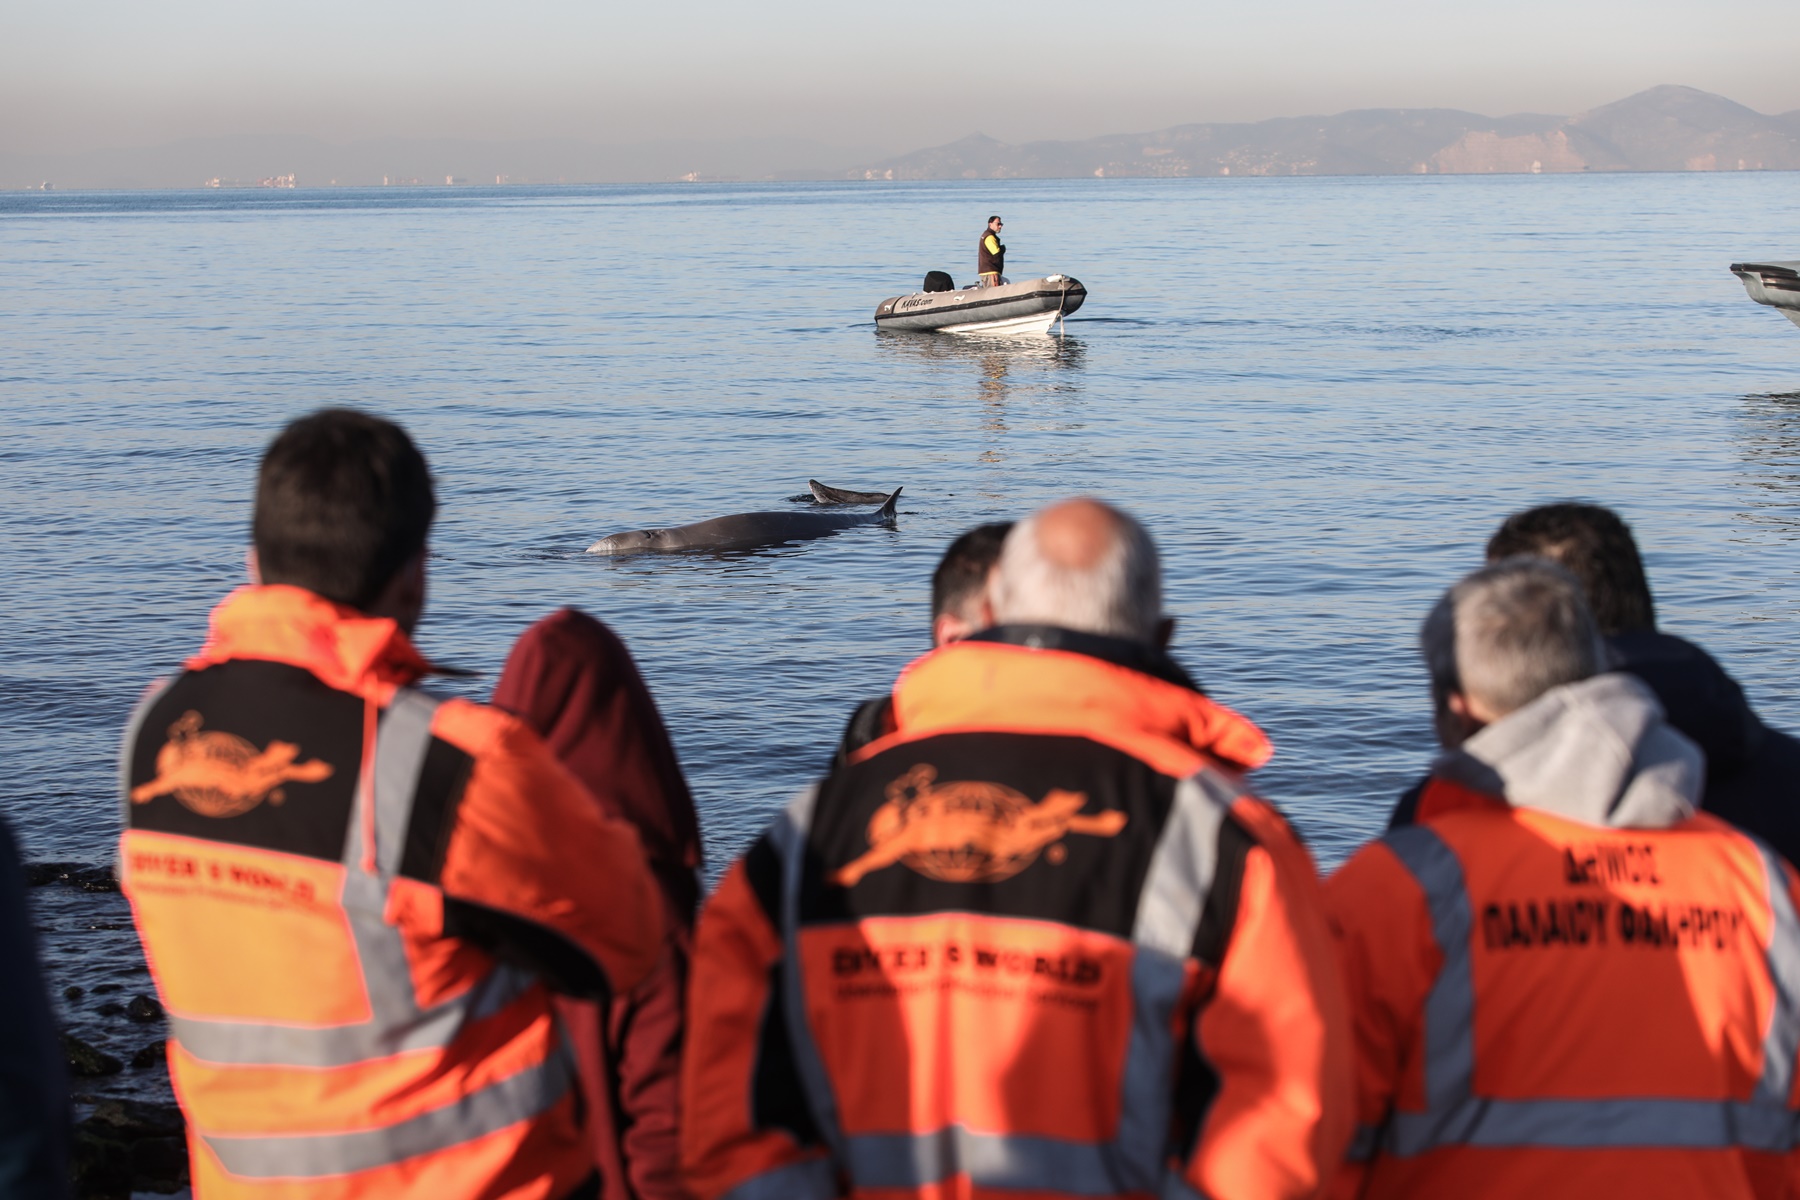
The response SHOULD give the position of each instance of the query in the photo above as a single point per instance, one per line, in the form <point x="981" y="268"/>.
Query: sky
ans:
<point x="79" y="75"/>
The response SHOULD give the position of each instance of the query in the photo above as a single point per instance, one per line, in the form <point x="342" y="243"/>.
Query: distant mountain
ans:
<point x="1667" y="128"/>
<point x="249" y="160"/>
<point x="1663" y="129"/>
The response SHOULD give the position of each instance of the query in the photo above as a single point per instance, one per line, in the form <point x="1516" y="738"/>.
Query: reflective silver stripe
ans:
<point x="1177" y="1188"/>
<point x="990" y="1160"/>
<point x="1450" y="1005"/>
<point x="240" y="1043"/>
<point x="1168" y="918"/>
<point x="1139" y="1150"/>
<point x="1181" y="871"/>
<point x="128" y="744"/>
<point x="311" y="1156"/>
<point x="1782" y="1041"/>
<point x="814" y="1179"/>
<point x="401" y="743"/>
<point x="397" y="1024"/>
<point x="1171" y="903"/>
<point x="1611" y="1124"/>
<point x="788" y="837"/>
<point x="1133" y="1161"/>
<point x="1455" y="1116"/>
<point x="400" y="750"/>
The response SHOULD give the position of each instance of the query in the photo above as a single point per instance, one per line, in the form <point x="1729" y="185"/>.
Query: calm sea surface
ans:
<point x="1320" y="394"/>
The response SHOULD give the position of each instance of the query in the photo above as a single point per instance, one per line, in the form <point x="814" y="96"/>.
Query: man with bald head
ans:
<point x="1037" y="938"/>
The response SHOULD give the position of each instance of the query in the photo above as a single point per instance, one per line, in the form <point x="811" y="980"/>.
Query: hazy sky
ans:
<point x="84" y="74"/>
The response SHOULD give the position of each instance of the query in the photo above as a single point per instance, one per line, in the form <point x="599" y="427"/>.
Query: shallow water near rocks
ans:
<point x="1320" y="394"/>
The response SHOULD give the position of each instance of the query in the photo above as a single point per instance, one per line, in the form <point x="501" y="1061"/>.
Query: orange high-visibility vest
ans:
<point x="1036" y="942"/>
<point x="300" y="828"/>
<point x="1546" y="1008"/>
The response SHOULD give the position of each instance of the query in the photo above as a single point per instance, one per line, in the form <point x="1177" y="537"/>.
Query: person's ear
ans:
<point x="252" y="567"/>
<point x="403" y="599"/>
<point x="1165" y="632"/>
<point x="1472" y="710"/>
<point x="981" y="613"/>
<point x="975" y="615"/>
<point x="1458" y="719"/>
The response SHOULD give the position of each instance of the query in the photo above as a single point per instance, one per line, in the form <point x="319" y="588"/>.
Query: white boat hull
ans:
<point x="1036" y="323"/>
<point x="1024" y="309"/>
<point x="1776" y="284"/>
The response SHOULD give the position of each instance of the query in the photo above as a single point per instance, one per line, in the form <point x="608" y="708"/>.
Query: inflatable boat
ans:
<point x="1008" y="310"/>
<point x="1776" y="284"/>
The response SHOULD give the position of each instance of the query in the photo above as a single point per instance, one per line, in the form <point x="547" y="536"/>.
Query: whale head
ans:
<point x="633" y="541"/>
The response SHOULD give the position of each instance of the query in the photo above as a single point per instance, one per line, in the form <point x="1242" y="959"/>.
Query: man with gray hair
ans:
<point x="1559" y="959"/>
<point x="1085" y="566"/>
<point x="1037" y="938"/>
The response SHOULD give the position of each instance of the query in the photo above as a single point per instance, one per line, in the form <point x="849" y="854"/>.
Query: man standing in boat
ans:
<point x="991" y="254"/>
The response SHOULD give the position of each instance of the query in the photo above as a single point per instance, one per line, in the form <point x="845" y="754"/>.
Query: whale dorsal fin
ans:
<point x="824" y="493"/>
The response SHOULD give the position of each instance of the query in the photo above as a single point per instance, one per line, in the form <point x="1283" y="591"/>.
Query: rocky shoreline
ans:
<point x="129" y="1138"/>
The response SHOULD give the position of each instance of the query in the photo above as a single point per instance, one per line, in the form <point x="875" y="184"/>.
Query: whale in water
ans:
<point x="742" y="531"/>
<point x="823" y="493"/>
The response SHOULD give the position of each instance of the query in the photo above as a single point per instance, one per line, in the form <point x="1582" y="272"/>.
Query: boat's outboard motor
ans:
<point x="939" y="281"/>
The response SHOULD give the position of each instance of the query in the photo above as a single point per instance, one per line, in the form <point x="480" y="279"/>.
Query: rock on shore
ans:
<point x="129" y="1137"/>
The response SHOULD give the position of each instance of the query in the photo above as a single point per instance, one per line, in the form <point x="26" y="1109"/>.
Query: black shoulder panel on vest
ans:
<point x="1196" y="1087"/>
<point x="1196" y="1082"/>
<point x="777" y="1100"/>
<point x="442" y="779"/>
<point x="249" y="753"/>
<point x="1406" y="811"/>
<point x="1009" y="824"/>
<point x="762" y="871"/>
<point x="521" y="943"/>
<point x="1219" y="917"/>
<point x="872" y="719"/>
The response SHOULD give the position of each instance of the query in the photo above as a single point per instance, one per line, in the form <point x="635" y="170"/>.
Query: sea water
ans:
<point x="1320" y="395"/>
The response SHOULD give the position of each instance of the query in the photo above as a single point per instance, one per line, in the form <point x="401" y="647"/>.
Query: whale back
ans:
<point x="744" y="531"/>
<point x="824" y="493"/>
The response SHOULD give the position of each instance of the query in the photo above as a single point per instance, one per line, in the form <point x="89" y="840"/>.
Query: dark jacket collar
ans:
<point x="1120" y="652"/>
<point x="1701" y="699"/>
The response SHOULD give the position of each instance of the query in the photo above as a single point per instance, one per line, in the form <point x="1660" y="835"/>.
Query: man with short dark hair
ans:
<point x="344" y="504"/>
<point x="1752" y="771"/>
<point x="1039" y="941"/>
<point x="959" y="607"/>
<point x="990" y="254"/>
<point x="1564" y="981"/>
<point x="959" y="585"/>
<point x="355" y="897"/>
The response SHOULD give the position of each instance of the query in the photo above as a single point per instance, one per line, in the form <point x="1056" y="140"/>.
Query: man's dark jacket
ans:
<point x="1752" y="771"/>
<point x="34" y="1103"/>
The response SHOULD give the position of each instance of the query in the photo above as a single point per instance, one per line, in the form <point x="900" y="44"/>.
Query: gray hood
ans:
<point x="1597" y="751"/>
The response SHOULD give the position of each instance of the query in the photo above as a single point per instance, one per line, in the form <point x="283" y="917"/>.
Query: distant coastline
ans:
<point x="1667" y="128"/>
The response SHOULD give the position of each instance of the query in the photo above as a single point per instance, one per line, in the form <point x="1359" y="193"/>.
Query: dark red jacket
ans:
<point x="573" y="680"/>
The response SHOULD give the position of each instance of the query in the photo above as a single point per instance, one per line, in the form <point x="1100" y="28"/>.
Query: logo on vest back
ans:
<point x="970" y="831"/>
<point x="222" y="775"/>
